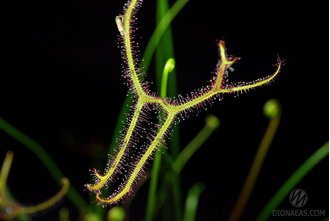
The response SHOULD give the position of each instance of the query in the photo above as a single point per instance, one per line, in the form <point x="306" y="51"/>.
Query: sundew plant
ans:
<point x="173" y="109"/>
<point x="154" y="169"/>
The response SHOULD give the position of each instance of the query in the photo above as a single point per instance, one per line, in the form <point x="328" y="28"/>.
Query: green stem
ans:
<point x="164" y="51"/>
<point x="169" y="66"/>
<point x="192" y="202"/>
<point x="153" y="186"/>
<point x="191" y="148"/>
<point x="212" y="123"/>
<point x="257" y="162"/>
<point x="160" y="30"/>
<point x="54" y="171"/>
<point x="295" y="178"/>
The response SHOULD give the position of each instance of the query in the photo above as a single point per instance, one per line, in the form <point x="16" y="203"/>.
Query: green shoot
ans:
<point x="293" y="180"/>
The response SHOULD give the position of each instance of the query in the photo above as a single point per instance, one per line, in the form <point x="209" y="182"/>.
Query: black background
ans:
<point x="60" y="84"/>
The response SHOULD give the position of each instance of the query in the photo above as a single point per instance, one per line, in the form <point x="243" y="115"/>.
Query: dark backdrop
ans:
<point x="60" y="84"/>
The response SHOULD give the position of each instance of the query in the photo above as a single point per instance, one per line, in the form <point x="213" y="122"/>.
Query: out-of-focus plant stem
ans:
<point x="5" y="171"/>
<point x="42" y="206"/>
<point x="17" y="209"/>
<point x="272" y="109"/>
<point x="192" y="202"/>
<point x="52" y="168"/>
<point x="293" y="180"/>
<point x="211" y="123"/>
<point x="160" y="30"/>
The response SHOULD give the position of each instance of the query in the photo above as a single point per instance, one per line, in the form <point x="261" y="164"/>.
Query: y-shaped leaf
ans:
<point x="173" y="109"/>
